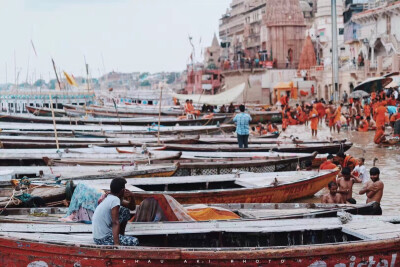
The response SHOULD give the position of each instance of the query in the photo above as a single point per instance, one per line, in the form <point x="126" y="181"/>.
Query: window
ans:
<point x="341" y="31"/>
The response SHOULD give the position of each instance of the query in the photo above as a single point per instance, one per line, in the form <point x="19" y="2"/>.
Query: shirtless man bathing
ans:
<point x="346" y="182"/>
<point x="333" y="197"/>
<point x="374" y="190"/>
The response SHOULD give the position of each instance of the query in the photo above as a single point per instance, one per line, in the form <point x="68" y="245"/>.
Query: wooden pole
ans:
<point x="159" y="116"/>
<point x="55" y="71"/>
<point x="54" y="122"/>
<point x="116" y="109"/>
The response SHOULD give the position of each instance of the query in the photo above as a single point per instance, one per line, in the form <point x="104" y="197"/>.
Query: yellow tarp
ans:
<point x="207" y="214"/>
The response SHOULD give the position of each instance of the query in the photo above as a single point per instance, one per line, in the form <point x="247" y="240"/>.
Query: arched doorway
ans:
<point x="351" y="87"/>
<point x="319" y="91"/>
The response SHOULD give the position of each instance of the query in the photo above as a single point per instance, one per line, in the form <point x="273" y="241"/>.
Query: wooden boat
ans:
<point x="290" y="242"/>
<point x="114" y="121"/>
<point x="296" y="148"/>
<point x="269" y="141"/>
<point x="199" y="166"/>
<point x="245" y="211"/>
<point x="128" y="130"/>
<point x="236" y="188"/>
<point x="46" y="112"/>
<point x="126" y="112"/>
<point x="90" y="160"/>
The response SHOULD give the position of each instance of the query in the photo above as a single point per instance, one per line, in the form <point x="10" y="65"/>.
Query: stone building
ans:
<point x="286" y="31"/>
<point x="212" y="54"/>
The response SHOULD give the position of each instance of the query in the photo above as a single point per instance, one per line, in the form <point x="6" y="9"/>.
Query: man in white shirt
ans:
<point x="360" y="171"/>
<point x="110" y="217"/>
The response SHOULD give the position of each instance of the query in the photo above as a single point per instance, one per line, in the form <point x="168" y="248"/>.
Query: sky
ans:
<point x="112" y="35"/>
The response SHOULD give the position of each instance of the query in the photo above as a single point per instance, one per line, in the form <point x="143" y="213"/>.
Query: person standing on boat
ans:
<point x="333" y="197"/>
<point x="242" y="121"/>
<point x="111" y="216"/>
<point x="374" y="190"/>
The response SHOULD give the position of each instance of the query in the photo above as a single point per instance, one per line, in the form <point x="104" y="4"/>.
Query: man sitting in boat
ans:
<point x="111" y="216"/>
<point x="374" y="190"/>
<point x="333" y="196"/>
<point x="346" y="183"/>
<point x="328" y="164"/>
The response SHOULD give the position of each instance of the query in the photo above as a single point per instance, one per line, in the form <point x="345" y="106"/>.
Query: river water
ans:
<point x="363" y="146"/>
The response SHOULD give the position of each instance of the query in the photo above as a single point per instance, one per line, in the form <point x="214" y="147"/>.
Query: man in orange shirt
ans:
<point x="328" y="164"/>
<point x="347" y="161"/>
<point x="337" y="115"/>
<point x="364" y="125"/>
<point x="314" y="121"/>
<point x="319" y="106"/>
<point x="367" y="110"/>
<point x="380" y="135"/>
<point x="380" y="116"/>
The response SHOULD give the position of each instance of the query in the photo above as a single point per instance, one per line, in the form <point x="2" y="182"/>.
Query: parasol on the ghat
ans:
<point x="359" y="94"/>
<point x="374" y="84"/>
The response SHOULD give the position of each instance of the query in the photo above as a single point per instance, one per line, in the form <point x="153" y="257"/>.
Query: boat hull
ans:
<point x="19" y="252"/>
<point x="271" y="194"/>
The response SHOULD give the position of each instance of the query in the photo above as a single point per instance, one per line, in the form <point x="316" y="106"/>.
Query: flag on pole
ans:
<point x="70" y="79"/>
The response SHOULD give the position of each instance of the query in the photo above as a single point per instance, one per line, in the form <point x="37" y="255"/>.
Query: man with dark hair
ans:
<point x="346" y="183"/>
<point x="347" y="161"/>
<point x="374" y="190"/>
<point x="333" y="196"/>
<point x="308" y="165"/>
<point x="328" y="164"/>
<point x="111" y="216"/>
<point x="242" y="121"/>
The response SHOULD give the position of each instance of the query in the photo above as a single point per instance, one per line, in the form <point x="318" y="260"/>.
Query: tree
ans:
<point x="145" y="83"/>
<point x="52" y="84"/>
<point x="143" y="75"/>
<point x="40" y="83"/>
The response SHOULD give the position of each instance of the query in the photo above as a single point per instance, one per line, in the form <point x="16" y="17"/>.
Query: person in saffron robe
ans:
<point x="367" y="110"/>
<point x="347" y="161"/>
<point x="320" y="109"/>
<point x="380" y="135"/>
<point x="328" y="164"/>
<point x="380" y="116"/>
<point x="337" y="115"/>
<point x="314" y="121"/>
<point x="364" y="125"/>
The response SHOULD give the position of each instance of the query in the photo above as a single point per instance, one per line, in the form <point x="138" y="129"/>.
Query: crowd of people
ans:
<point x="370" y="113"/>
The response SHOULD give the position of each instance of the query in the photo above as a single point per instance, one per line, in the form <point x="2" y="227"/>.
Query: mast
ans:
<point x="335" y="63"/>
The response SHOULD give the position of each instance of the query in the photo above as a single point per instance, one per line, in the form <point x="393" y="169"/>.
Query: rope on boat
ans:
<point x="17" y="202"/>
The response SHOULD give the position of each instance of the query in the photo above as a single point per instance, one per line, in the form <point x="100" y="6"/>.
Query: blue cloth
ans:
<point x="84" y="196"/>
<point x="392" y="110"/>
<point x="242" y="121"/>
<point x="123" y="240"/>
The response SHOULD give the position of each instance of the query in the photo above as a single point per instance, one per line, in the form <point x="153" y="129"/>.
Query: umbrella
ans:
<point x="395" y="83"/>
<point x="358" y="94"/>
<point x="373" y="84"/>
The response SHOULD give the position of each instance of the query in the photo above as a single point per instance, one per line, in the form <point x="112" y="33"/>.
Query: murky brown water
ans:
<point x="363" y="146"/>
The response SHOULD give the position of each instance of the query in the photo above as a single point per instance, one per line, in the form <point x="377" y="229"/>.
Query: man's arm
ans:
<point x="129" y="204"/>
<point x="364" y="189"/>
<point x="115" y="224"/>
<point x="324" y="199"/>
<point x="373" y="189"/>
<point x="356" y="179"/>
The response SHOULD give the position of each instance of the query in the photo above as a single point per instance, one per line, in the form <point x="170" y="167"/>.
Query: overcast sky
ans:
<point x="125" y="35"/>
